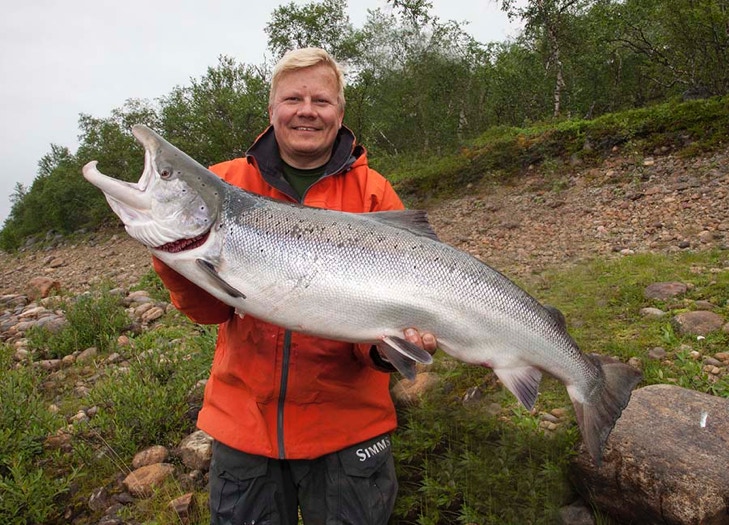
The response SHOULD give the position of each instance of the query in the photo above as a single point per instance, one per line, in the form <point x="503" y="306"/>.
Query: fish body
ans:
<point x="360" y="278"/>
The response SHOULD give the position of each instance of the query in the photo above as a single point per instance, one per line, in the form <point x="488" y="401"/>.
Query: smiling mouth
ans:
<point x="182" y="245"/>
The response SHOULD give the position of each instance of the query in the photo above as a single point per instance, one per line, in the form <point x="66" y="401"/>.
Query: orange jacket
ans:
<point x="278" y="393"/>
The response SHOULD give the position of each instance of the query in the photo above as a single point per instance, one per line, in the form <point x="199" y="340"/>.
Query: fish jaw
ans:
<point x="174" y="204"/>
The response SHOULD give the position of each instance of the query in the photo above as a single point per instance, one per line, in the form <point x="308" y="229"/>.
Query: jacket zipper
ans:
<point x="282" y="393"/>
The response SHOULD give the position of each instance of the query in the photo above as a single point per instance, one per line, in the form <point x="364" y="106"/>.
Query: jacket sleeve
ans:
<point x="190" y="299"/>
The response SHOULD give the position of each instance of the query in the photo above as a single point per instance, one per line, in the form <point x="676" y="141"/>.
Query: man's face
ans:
<point x="306" y="116"/>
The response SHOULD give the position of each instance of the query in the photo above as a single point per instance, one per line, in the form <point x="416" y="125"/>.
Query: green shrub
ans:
<point x="148" y="402"/>
<point x="93" y="319"/>
<point x="29" y="490"/>
<point x="459" y="464"/>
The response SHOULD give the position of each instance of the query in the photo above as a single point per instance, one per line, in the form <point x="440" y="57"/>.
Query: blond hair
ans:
<point x="296" y="59"/>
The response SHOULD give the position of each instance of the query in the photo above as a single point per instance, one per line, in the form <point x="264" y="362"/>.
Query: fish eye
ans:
<point x="165" y="173"/>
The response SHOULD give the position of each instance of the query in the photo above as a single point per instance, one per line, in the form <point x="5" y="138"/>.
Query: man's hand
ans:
<point x="426" y="340"/>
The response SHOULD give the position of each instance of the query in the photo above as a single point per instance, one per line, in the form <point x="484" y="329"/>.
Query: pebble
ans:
<point x="657" y="353"/>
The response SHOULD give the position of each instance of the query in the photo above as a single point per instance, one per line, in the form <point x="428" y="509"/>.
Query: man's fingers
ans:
<point x="426" y="341"/>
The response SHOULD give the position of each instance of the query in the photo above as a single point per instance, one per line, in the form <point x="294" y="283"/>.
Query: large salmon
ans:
<point x="359" y="278"/>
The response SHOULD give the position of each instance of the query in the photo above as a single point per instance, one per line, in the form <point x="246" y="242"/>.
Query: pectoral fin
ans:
<point x="209" y="269"/>
<point x="403" y="355"/>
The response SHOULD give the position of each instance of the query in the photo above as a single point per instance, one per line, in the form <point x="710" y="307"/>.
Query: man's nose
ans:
<point x="306" y="107"/>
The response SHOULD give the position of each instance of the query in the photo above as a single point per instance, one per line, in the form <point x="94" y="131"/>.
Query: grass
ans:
<point x="462" y="464"/>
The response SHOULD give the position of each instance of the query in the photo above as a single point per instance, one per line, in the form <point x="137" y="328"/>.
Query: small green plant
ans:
<point x="147" y="403"/>
<point x="151" y="283"/>
<point x="460" y="464"/>
<point x="93" y="319"/>
<point x="29" y="489"/>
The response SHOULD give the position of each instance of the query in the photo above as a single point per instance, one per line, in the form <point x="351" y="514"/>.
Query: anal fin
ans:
<point x="209" y="269"/>
<point x="523" y="382"/>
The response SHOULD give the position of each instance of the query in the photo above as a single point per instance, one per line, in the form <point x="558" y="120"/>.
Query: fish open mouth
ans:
<point x="182" y="245"/>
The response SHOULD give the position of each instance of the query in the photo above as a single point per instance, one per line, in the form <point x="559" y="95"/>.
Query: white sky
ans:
<point x="59" y="59"/>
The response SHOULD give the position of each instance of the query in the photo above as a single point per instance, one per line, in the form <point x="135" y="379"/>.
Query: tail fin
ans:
<point x="597" y="416"/>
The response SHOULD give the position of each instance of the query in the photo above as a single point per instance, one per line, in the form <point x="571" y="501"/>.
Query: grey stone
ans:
<point x="664" y="291"/>
<point x="665" y="461"/>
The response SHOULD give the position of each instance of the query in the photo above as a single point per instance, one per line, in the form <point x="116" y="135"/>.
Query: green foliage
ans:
<point x="159" y="379"/>
<point x="460" y="464"/>
<point x="29" y="489"/>
<point x="294" y="26"/>
<point x="456" y="463"/>
<point x="463" y="464"/>
<point x="152" y="400"/>
<point x="219" y="115"/>
<point x="602" y="301"/>
<point x="502" y="153"/>
<point x="93" y="319"/>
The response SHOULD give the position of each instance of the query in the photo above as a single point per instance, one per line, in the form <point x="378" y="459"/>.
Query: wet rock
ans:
<point x="152" y="314"/>
<point x="150" y="456"/>
<point x="87" y="356"/>
<point x="578" y="513"/>
<point x="407" y="392"/>
<point x="657" y="353"/>
<point x="652" y="313"/>
<point x="196" y="450"/>
<point x="184" y="506"/>
<point x="99" y="499"/>
<point x="39" y="287"/>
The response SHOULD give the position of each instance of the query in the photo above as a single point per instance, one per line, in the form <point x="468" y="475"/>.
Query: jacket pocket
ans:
<point x="368" y="489"/>
<point x="235" y="465"/>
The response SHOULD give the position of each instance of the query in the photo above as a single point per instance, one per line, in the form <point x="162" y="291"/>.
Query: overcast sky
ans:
<point x="59" y="59"/>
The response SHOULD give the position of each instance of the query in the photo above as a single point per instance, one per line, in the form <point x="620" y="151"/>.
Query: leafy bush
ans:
<point x="148" y="402"/>
<point x="93" y="319"/>
<point x="29" y="491"/>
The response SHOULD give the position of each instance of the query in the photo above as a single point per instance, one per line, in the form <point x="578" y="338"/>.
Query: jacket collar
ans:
<point x="265" y="153"/>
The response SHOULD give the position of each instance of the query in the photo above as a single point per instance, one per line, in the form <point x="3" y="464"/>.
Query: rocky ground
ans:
<point x="625" y="205"/>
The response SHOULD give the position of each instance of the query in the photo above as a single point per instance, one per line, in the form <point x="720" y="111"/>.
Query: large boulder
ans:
<point x="666" y="461"/>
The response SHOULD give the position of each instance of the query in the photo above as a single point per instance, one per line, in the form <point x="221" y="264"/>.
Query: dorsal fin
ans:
<point x="414" y="221"/>
<point x="557" y="315"/>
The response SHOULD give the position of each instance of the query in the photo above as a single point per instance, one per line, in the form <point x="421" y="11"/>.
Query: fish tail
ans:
<point x="597" y="415"/>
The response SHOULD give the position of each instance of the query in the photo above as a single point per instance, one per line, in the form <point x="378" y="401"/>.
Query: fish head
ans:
<point x="175" y="203"/>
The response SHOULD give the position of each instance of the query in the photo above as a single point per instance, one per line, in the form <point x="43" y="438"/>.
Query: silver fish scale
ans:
<point x="305" y="268"/>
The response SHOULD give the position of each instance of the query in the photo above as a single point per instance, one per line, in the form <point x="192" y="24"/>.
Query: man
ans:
<point x="299" y="422"/>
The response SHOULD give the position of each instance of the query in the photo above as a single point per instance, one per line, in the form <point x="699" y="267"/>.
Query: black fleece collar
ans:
<point x="266" y="154"/>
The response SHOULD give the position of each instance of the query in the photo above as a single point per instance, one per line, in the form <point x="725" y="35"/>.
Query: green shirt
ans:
<point x="301" y="180"/>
